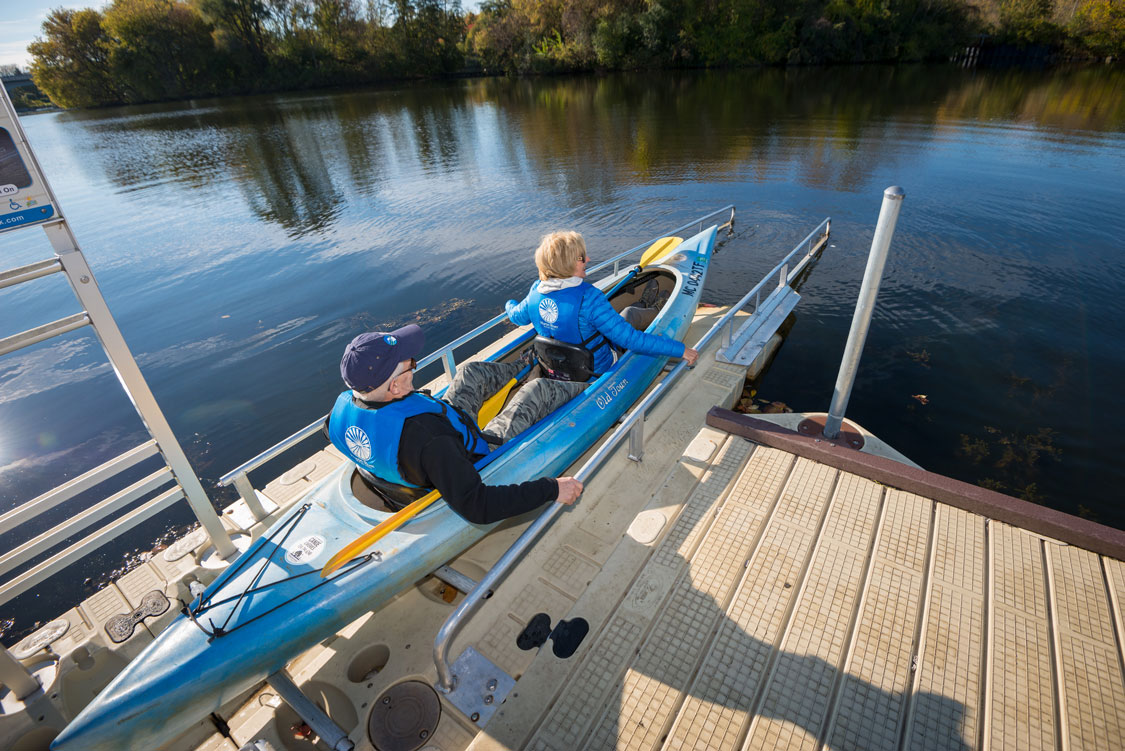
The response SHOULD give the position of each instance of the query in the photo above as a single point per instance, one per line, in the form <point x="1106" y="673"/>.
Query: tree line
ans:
<point x="151" y="50"/>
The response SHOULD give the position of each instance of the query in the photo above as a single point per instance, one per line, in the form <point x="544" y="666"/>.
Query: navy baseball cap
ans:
<point x="370" y="359"/>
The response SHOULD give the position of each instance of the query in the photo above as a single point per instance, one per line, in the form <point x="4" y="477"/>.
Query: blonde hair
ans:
<point x="558" y="255"/>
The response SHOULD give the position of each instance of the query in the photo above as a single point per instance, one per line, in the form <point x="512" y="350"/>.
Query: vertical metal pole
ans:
<point x="15" y="676"/>
<point x="249" y="497"/>
<point x="331" y="734"/>
<point x="450" y="365"/>
<point x="864" y="307"/>
<point x="637" y="439"/>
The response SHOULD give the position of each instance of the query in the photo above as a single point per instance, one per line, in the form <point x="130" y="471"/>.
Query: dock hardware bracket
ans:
<point x="331" y="734"/>
<point x="479" y="687"/>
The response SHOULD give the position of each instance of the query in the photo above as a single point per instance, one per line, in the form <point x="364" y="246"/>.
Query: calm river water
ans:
<point x="242" y="242"/>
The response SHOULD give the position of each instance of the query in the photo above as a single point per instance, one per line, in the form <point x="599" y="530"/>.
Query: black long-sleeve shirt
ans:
<point x="431" y="453"/>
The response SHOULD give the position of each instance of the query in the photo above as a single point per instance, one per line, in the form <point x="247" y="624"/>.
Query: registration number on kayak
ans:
<point x="305" y="549"/>
<point x="603" y="399"/>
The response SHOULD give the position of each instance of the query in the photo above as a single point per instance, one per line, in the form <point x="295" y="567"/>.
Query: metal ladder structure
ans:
<point x="26" y="200"/>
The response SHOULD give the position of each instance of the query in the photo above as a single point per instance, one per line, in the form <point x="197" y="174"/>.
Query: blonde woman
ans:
<point x="563" y="305"/>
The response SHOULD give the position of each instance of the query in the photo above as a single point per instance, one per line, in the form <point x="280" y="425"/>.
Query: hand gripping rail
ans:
<point x="239" y="475"/>
<point x="633" y="426"/>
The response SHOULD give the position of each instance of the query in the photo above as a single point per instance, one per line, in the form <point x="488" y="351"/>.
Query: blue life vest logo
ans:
<point x="390" y="340"/>
<point x="548" y="310"/>
<point x="358" y="443"/>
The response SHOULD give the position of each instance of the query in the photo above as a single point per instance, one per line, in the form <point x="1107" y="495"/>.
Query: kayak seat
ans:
<point x="563" y="361"/>
<point x="381" y="495"/>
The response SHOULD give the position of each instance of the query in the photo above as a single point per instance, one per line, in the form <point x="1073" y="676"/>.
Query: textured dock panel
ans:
<point x="795" y="704"/>
<point x="300" y="479"/>
<point x="716" y="711"/>
<point x="596" y="683"/>
<point x="654" y="683"/>
<point x="1022" y="706"/>
<point x="139" y="582"/>
<point x="1093" y="685"/>
<point x="870" y="710"/>
<point x="1115" y="572"/>
<point x="945" y="712"/>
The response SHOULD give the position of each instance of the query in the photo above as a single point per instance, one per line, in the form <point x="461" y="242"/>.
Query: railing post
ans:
<point x="15" y="676"/>
<point x="637" y="439"/>
<point x="249" y="497"/>
<point x="450" y="365"/>
<point x="864" y="307"/>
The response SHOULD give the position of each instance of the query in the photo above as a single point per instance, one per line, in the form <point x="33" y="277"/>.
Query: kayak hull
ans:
<point x="240" y="637"/>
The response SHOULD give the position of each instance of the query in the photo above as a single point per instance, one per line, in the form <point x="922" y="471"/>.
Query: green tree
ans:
<point x="161" y="49"/>
<point x="71" y="61"/>
<point x="1027" y="21"/>
<point x="240" y="27"/>
<point x="1100" y="26"/>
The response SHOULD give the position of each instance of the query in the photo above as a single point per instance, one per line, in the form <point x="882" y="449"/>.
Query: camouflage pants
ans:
<point x="539" y="397"/>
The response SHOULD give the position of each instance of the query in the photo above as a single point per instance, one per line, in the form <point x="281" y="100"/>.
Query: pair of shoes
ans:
<point x="650" y="294"/>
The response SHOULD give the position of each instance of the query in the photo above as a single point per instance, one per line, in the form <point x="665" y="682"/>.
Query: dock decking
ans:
<point x="745" y="588"/>
<point x="793" y="605"/>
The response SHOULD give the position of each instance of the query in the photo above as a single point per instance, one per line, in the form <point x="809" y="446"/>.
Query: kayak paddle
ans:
<point x="376" y="533"/>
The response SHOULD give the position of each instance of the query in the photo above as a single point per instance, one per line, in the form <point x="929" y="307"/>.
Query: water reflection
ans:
<point x="299" y="160"/>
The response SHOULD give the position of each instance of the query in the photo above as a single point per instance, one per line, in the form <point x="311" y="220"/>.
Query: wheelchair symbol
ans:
<point x="13" y="205"/>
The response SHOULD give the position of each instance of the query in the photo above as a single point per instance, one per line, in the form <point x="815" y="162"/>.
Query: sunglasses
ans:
<point x="413" y="366"/>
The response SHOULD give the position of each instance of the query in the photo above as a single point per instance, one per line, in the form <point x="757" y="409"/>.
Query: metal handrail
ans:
<point x="783" y="272"/>
<point x="238" y="476"/>
<point x="633" y="426"/>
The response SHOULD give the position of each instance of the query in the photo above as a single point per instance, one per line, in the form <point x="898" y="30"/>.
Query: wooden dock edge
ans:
<point x="988" y="503"/>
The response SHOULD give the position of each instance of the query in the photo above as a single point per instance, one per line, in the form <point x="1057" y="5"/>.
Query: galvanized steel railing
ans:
<point x="239" y="476"/>
<point x="632" y="426"/>
<point x="176" y="472"/>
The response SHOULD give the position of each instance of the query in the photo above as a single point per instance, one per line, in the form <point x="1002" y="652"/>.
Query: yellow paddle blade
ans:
<point x="659" y="249"/>
<point x="493" y="404"/>
<point x="373" y="535"/>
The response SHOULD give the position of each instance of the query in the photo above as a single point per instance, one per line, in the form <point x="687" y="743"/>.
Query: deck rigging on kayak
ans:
<point x="275" y="538"/>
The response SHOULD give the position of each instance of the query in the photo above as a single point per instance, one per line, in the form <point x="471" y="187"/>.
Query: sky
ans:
<point x="22" y="20"/>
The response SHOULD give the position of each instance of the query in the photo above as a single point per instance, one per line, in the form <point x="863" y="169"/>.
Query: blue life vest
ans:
<point x="370" y="436"/>
<point x="555" y="315"/>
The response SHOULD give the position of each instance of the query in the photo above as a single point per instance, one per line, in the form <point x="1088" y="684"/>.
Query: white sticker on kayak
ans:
<point x="304" y="550"/>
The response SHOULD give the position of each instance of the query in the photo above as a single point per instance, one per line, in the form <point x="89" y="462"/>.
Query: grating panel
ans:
<point x="661" y="672"/>
<point x="571" y="570"/>
<point x="1022" y="707"/>
<point x="1095" y="697"/>
<point x="945" y="711"/>
<point x="802" y="501"/>
<point x="1092" y="681"/>
<point x="1080" y="596"/>
<point x="596" y="684"/>
<point x="1018" y="571"/>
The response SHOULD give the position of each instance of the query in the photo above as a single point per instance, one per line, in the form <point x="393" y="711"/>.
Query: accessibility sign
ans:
<point x="24" y="196"/>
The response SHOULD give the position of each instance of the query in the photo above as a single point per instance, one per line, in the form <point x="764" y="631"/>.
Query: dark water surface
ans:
<point x="242" y="242"/>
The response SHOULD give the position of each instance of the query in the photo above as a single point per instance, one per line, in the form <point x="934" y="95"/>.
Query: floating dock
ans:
<point x="745" y="586"/>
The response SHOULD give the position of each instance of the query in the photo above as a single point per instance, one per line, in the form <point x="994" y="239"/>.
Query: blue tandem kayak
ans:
<point x="271" y="604"/>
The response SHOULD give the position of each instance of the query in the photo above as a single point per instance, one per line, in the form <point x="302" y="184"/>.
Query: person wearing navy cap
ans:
<point x="406" y="442"/>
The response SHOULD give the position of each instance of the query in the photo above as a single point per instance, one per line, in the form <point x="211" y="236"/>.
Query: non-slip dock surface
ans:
<point x="791" y="605"/>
